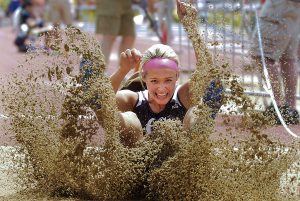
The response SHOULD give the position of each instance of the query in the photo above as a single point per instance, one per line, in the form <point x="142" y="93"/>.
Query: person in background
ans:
<point x="162" y="13"/>
<point x="59" y="12"/>
<point x="28" y="20"/>
<point x="115" y="18"/>
<point x="12" y="7"/>
<point x="280" y="27"/>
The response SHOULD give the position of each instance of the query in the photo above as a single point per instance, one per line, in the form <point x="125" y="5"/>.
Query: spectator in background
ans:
<point x="12" y="6"/>
<point x="28" y="20"/>
<point x="162" y="12"/>
<point x="60" y="12"/>
<point x="115" y="18"/>
<point x="280" y="26"/>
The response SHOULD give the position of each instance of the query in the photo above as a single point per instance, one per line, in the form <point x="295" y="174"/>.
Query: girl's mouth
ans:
<point x="161" y="95"/>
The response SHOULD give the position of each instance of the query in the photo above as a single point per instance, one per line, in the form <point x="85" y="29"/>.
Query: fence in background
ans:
<point x="227" y="27"/>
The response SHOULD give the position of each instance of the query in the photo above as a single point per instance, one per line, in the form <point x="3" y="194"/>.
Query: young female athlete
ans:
<point x="163" y="99"/>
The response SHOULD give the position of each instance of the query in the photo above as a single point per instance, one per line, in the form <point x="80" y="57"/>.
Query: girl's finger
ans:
<point x="136" y="54"/>
<point x="123" y="55"/>
<point x="128" y="53"/>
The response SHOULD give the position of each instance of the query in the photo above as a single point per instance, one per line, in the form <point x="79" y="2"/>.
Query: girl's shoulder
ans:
<point x="126" y="99"/>
<point x="128" y="94"/>
<point x="184" y="94"/>
<point x="183" y="88"/>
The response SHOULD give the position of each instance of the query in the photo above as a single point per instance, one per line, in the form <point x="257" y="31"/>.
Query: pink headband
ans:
<point x="158" y="62"/>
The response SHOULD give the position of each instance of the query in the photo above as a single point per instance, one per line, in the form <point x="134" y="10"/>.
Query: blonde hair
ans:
<point x="158" y="51"/>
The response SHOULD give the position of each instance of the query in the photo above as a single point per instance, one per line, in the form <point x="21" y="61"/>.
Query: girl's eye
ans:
<point x="153" y="81"/>
<point x="168" y="80"/>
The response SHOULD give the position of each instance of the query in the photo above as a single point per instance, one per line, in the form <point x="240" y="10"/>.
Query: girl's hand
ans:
<point x="130" y="59"/>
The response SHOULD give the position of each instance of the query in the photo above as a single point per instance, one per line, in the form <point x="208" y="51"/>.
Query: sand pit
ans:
<point x="55" y="158"/>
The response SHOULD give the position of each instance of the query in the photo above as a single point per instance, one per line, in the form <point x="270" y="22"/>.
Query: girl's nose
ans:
<point x="161" y="88"/>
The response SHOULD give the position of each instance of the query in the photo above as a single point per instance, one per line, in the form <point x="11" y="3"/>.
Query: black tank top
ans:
<point x="173" y="110"/>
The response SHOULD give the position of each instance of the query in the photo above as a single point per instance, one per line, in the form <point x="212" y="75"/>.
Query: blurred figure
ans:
<point x="28" y="21"/>
<point x="60" y="12"/>
<point x="162" y="12"/>
<point x="280" y="26"/>
<point x="115" y="18"/>
<point x="12" y="6"/>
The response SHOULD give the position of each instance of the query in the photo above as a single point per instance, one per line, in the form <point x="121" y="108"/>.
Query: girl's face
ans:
<point x="161" y="84"/>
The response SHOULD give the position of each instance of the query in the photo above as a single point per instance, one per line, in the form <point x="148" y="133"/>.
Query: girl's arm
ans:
<point x="126" y="100"/>
<point x="130" y="59"/>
